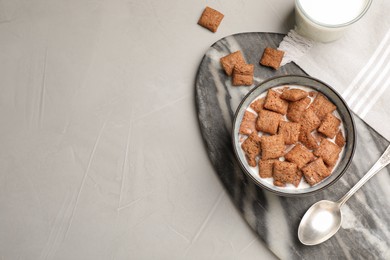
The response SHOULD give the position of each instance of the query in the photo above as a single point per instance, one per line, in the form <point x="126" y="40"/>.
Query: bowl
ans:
<point x="344" y="114"/>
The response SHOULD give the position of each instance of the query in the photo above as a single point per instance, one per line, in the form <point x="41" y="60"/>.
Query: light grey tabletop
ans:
<point x="101" y="155"/>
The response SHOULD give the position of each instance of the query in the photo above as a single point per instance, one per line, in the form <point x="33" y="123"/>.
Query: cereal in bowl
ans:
<point x="292" y="136"/>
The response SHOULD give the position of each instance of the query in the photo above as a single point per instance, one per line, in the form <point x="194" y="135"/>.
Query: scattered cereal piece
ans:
<point x="268" y="121"/>
<point x="243" y="74"/>
<point x="248" y="123"/>
<point x="275" y="103"/>
<point x="299" y="155"/>
<point x="294" y="94"/>
<point x="210" y="19"/>
<point x="322" y="106"/>
<point x="258" y="105"/>
<point x="328" y="151"/>
<point x="329" y="126"/>
<point x="242" y="80"/>
<point x="251" y="147"/>
<point x="272" y="58"/>
<point x="340" y="140"/>
<point x="286" y="172"/>
<point x="307" y="139"/>
<point x="295" y="109"/>
<point x="229" y="61"/>
<point x="266" y="168"/>
<point x="290" y="131"/>
<point x="309" y="120"/>
<point x="272" y="147"/>
<point x="244" y="69"/>
<point x="315" y="172"/>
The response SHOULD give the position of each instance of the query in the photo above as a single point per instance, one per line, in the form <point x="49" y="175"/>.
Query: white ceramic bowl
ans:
<point x="343" y="111"/>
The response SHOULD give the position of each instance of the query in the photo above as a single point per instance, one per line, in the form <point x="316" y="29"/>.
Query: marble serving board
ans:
<point x="365" y="232"/>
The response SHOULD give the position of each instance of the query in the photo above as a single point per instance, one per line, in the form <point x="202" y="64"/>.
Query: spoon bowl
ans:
<point x="320" y="222"/>
<point x="323" y="219"/>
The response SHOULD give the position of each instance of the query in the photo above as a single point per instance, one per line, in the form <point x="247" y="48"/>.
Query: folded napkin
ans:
<point x="357" y="65"/>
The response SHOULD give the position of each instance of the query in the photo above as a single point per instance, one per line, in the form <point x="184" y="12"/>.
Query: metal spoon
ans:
<point x="323" y="219"/>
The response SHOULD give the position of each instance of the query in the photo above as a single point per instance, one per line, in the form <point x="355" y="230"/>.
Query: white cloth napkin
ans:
<point x="358" y="66"/>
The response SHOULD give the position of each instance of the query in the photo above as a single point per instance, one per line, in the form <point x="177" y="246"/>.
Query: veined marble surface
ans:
<point x="365" y="231"/>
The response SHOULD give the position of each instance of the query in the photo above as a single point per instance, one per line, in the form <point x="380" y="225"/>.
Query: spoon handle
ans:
<point x="383" y="161"/>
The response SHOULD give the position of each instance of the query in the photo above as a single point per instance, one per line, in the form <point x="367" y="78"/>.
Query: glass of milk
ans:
<point x="327" y="20"/>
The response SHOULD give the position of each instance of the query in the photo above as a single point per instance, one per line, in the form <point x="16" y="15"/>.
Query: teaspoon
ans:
<point x="323" y="219"/>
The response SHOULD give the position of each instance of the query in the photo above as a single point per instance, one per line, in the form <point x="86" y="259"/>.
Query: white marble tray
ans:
<point x="365" y="232"/>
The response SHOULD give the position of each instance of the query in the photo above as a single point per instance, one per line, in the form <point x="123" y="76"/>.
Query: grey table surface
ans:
<point x="101" y="156"/>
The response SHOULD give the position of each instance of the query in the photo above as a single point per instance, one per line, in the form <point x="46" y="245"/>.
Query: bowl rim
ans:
<point x="351" y="136"/>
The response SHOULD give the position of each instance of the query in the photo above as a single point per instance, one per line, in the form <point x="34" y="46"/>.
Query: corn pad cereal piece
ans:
<point x="272" y="147"/>
<point x="329" y="125"/>
<point x="268" y="121"/>
<point x="275" y="103"/>
<point x="279" y="183"/>
<point x="319" y="136"/>
<point x="299" y="155"/>
<point x="295" y="109"/>
<point x="286" y="172"/>
<point x="243" y="74"/>
<point x="294" y="94"/>
<point x="266" y="168"/>
<point x="248" y="123"/>
<point x="251" y="148"/>
<point x="242" y="80"/>
<point x="210" y="19"/>
<point x="340" y="140"/>
<point x="244" y="69"/>
<point x="307" y="139"/>
<point x="315" y="171"/>
<point x="309" y="120"/>
<point x="328" y="151"/>
<point x="229" y="61"/>
<point x="271" y="58"/>
<point x="258" y="105"/>
<point x="290" y="131"/>
<point x="322" y="106"/>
